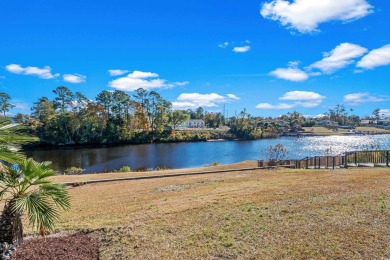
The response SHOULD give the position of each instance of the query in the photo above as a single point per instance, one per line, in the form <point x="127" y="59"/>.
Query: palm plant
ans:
<point x="26" y="188"/>
<point x="10" y="137"/>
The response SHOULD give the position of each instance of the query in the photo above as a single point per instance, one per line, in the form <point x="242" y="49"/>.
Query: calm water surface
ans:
<point x="187" y="155"/>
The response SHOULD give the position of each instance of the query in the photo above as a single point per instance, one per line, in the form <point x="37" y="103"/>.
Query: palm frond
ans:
<point x="58" y="193"/>
<point x="41" y="212"/>
<point x="7" y="155"/>
<point x="16" y="138"/>
<point x="33" y="193"/>
<point x="13" y="133"/>
<point x="8" y="126"/>
<point x="36" y="173"/>
<point x="10" y="177"/>
<point x="3" y="191"/>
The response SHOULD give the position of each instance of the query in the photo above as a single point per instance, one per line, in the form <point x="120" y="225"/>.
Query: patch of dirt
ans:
<point x="78" y="246"/>
<point x="173" y="188"/>
<point x="179" y="187"/>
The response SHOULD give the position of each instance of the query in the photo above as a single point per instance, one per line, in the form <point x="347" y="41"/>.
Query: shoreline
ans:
<point x="109" y="175"/>
<point x="29" y="147"/>
<point x="333" y="134"/>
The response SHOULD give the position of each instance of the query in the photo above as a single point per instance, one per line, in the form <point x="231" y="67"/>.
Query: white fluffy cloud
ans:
<point x="238" y="47"/>
<point x="74" y="78"/>
<point x="145" y="80"/>
<point x="339" y="57"/>
<point x="300" y="99"/>
<point x="223" y="45"/>
<point x="195" y="100"/>
<point x="362" y="97"/>
<point x="117" y="72"/>
<point x="43" y="73"/>
<point x="232" y="96"/>
<point x="305" y="15"/>
<point x="301" y="95"/>
<point x="241" y="49"/>
<point x="278" y="106"/>
<point x="376" y="58"/>
<point x="292" y="73"/>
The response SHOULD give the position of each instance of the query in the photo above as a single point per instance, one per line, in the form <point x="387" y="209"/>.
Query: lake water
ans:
<point x="187" y="155"/>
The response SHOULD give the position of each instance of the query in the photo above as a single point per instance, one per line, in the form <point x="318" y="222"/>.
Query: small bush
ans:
<point x="73" y="171"/>
<point x="275" y="154"/>
<point x="215" y="164"/>
<point x="163" y="168"/>
<point x="77" y="184"/>
<point x="124" y="169"/>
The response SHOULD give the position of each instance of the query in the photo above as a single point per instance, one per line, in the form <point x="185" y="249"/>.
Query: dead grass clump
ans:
<point x="172" y="188"/>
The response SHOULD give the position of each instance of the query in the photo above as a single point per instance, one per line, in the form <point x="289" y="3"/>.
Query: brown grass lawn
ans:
<point x="260" y="214"/>
<point x="319" y="130"/>
<point x="371" y="129"/>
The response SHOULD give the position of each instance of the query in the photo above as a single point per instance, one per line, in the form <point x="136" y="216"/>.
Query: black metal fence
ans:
<point x="348" y="159"/>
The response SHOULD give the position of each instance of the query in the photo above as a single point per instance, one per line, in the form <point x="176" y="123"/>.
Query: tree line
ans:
<point x="113" y="117"/>
<point x="145" y="116"/>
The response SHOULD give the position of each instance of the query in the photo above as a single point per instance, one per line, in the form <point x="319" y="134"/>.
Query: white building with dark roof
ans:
<point x="195" y="123"/>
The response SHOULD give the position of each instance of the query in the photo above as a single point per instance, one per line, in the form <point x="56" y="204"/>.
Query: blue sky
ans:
<point x="268" y="56"/>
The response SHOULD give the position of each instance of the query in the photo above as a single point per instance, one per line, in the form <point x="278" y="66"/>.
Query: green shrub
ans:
<point x="163" y="168"/>
<point x="124" y="169"/>
<point x="73" y="171"/>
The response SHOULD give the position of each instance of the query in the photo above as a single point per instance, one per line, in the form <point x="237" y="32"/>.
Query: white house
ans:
<point x="368" y="122"/>
<point x="326" y="122"/>
<point x="194" y="123"/>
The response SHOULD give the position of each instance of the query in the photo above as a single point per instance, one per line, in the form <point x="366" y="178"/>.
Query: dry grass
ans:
<point x="261" y="214"/>
<point x="319" y="130"/>
<point x="372" y="129"/>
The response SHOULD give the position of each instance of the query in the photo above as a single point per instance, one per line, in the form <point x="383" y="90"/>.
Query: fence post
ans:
<point x="319" y="162"/>
<point x="345" y="161"/>
<point x="355" y="158"/>
<point x="387" y="158"/>
<point x="307" y="163"/>
<point x="315" y="162"/>
<point x="333" y="162"/>
<point x="327" y="162"/>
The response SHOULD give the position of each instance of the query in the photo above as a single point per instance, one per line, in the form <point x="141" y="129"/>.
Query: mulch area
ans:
<point x="78" y="246"/>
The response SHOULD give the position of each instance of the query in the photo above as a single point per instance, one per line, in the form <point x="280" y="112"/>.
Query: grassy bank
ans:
<point x="252" y="215"/>
<point x="323" y="131"/>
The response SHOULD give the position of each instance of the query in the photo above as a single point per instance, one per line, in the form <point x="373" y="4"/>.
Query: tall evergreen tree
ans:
<point x="64" y="98"/>
<point x="5" y="105"/>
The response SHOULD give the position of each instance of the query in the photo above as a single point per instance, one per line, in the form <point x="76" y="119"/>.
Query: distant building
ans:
<point x="384" y="122"/>
<point x="195" y="123"/>
<point x="326" y="122"/>
<point x="368" y="122"/>
<point x="346" y="127"/>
